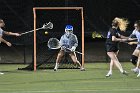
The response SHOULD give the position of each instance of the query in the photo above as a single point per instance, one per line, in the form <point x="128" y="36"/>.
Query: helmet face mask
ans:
<point x="68" y="30"/>
<point x="68" y="33"/>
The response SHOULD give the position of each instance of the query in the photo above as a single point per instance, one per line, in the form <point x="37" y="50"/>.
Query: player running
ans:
<point x="136" y="54"/>
<point x="112" y="43"/>
<point x="2" y="24"/>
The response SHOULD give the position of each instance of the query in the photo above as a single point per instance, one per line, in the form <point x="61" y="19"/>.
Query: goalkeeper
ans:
<point x="68" y="41"/>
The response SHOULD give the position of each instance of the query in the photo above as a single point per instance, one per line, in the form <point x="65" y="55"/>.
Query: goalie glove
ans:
<point x="63" y="48"/>
<point x="73" y="48"/>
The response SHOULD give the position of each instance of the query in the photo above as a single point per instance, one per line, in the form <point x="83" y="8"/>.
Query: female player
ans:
<point x="2" y="24"/>
<point x="112" y="43"/>
<point x="136" y="53"/>
<point x="68" y="40"/>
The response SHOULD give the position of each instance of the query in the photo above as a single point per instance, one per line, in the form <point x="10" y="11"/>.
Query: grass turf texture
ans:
<point x="92" y="80"/>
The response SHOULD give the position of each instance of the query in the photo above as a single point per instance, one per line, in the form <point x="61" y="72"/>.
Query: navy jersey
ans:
<point x="112" y="32"/>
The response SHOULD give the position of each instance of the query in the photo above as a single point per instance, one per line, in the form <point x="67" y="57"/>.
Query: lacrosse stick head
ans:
<point x="53" y="43"/>
<point x="48" y="25"/>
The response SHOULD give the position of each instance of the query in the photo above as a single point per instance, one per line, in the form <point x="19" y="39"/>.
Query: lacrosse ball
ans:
<point x="46" y="32"/>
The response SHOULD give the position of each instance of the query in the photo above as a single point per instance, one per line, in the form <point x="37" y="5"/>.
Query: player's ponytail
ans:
<point x="122" y="23"/>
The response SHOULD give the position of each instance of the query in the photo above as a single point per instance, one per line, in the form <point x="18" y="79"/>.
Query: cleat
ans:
<point x="108" y="74"/>
<point x="82" y="69"/>
<point x="135" y="70"/>
<point x="1" y="73"/>
<point x="125" y="73"/>
<point x="138" y="75"/>
<point x="55" y="69"/>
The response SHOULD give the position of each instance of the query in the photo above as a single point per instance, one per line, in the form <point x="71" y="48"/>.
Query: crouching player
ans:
<point x="68" y="41"/>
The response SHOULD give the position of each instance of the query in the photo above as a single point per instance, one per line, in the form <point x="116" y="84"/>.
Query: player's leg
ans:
<point x="138" y="64"/>
<point x="113" y="57"/>
<point x="111" y="66"/>
<point x="138" y="74"/>
<point x="1" y="72"/>
<point x="134" y="60"/>
<point x="75" y="60"/>
<point x="110" y="69"/>
<point x="59" y="57"/>
<point x="134" y="57"/>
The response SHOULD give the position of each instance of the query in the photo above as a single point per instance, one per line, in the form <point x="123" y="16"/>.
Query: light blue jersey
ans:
<point x="70" y="41"/>
<point x="1" y="32"/>
<point x="137" y="34"/>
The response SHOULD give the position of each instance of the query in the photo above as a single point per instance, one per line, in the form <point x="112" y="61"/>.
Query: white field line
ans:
<point x="6" y="83"/>
<point x="65" y="91"/>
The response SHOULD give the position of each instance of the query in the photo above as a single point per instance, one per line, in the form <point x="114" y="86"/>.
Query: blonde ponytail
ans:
<point x="122" y="23"/>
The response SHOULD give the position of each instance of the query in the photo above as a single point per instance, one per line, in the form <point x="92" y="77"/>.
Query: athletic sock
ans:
<point x="56" y="66"/>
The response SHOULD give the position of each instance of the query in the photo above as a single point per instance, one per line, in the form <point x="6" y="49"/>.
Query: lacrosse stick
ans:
<point x="45" y="26"/>
<point x="54" y="43"/>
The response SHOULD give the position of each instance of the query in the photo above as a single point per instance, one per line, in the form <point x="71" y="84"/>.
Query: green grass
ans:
<point x="92" y="80"/>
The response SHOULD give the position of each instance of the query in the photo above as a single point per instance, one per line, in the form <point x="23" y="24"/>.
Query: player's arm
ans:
<point x="119" y="39"/>
<point x="11" y="33"/>
<point x="4" y="41"/>
<point x="75" y="40"/>
<point x="133" y="43"/>
<point x="124" y="37"/>
<point x="128" y="38"/>
<point x="62" y="39"/>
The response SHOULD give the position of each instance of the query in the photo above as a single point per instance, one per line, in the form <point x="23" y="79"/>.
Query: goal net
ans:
<point x="43" y="57"/>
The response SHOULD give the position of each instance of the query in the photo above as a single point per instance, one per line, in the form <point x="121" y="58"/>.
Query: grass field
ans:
<point x="92" y="80"/>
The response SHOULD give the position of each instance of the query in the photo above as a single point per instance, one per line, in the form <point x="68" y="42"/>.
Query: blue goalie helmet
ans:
<point x="69" y="28"/>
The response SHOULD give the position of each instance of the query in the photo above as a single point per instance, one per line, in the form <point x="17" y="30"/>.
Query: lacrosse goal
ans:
<point x="59" y="16"/>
